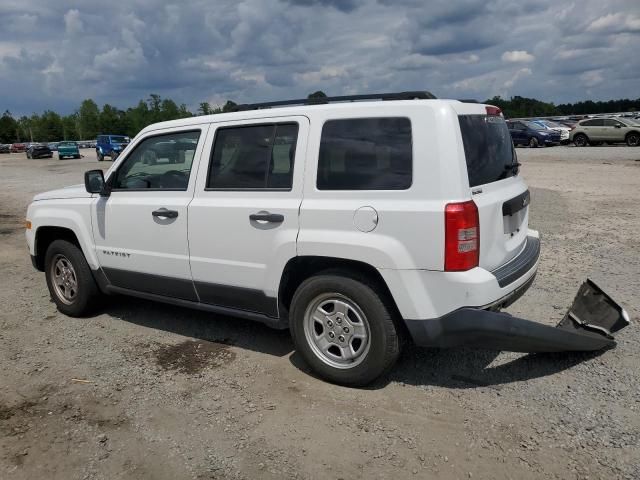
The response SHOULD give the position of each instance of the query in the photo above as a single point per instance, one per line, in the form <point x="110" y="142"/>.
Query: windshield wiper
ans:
<point x="513" y="167"/>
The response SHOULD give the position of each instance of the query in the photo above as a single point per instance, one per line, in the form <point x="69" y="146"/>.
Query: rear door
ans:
<point x="499" y="193"/>
<point x="243" y="220"/>
<point x="595" y="129"/>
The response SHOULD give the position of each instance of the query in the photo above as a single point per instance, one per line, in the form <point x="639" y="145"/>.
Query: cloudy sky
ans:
<point x="54" y="53"/>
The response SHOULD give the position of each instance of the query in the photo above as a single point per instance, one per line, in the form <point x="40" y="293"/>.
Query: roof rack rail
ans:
<point x="420" y="95"/>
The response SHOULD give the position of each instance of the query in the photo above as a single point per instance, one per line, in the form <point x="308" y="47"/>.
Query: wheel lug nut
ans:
<point x="339" y="320"/>
<point x="345" y="329"/>
<point x="329" y="323"/>
<point x="341" y="338"/>
<point x="331" y="334"/>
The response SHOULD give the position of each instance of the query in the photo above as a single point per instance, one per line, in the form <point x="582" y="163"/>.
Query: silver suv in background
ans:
<point x="596" y="131"/>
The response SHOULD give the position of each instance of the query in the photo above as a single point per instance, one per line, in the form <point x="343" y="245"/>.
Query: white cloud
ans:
<point x="523" y="72"/>
<point x="592" y="78"/>
<point x="615" y="23"/>
<point x="517" y="56"/>
<point x="73" y="22"/>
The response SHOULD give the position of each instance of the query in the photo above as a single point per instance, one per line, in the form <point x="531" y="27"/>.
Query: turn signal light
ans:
<point x="27" y="224"/>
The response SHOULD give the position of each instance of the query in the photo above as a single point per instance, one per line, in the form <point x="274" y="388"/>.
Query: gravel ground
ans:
<point x="144" y="390"/>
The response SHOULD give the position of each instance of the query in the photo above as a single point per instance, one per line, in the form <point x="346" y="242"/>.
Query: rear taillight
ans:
<point x="491" y="110"/>
<point x="462" y="236"/>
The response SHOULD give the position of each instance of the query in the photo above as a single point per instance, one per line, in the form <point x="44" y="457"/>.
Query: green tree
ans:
<point x="8" y="128"/>
<point x="88" y="124"/>
<point x="111" y="120"/>
<point x="204" y="109"/>
<point x="69" y="131"/>
<point x="169" y="110"/>
<point x="317" y="94"/>
<point x="229" y="106"/>
<point x="50" y="127"/>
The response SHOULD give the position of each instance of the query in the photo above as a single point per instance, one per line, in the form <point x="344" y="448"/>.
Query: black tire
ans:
<point x="99" y="155"/>
<point x="384" y="341"/>
<point x="580" y="140"/>
<point x="76" y="156"/>
<point x="28" y="156"/>
<point x="87" y="292"/>
<point x="114" y="156"/>
<point x="60" y="157"/>
<point x="533" y="142"/>
<point x="633" y="139"/>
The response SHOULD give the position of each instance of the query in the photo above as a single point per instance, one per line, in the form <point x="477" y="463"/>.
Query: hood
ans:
<point x="73" y="191"/>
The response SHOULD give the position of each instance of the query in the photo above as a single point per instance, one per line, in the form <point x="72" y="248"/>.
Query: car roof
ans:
<point x="339" y="109"/>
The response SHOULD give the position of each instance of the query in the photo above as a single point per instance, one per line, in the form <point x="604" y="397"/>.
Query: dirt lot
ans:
<point x="144" y="390"/>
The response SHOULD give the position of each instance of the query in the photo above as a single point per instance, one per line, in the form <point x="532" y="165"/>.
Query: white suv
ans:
<point x="355" y="223"/>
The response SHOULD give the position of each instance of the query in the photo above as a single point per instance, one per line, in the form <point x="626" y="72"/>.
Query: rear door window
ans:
<point x="365" y="154"/>
<point x="488" y="148"/>
<point x="253" y="157"/>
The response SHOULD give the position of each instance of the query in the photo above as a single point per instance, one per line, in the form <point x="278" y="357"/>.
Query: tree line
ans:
<point x="517" y="107"/>
<point x="89" y="119"/>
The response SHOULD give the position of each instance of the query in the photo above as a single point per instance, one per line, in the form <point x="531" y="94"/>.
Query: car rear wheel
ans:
<point x="60" y="157"/>
<point x="533" y="142"/>
<point x="633" y="139"/>
<point x="343" y="328"/>
<point x="70" y="282"/>
<point x="114" y="156"/>
<point x="580" y="140"/>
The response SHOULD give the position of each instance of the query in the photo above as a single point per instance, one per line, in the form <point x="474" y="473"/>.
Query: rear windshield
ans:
<point x="119" y="139"/>
<point x="488" y="149"/>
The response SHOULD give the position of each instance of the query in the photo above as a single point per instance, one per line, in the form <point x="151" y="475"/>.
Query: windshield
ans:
<point x="553" y="124"/>
<point x="115" y="139"/>
<point x="535" y="126"/>
<point x="67" y="144"/>
<point x="488" y="149"/>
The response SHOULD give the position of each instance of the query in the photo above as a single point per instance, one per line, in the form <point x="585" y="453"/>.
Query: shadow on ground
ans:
<point x="453" y="368"/>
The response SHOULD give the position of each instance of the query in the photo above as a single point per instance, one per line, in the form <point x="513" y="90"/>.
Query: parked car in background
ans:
<point x="531" y="134"/>
<point x="18" y="147"/>
<point x="550" y="125"/>
<point x="39" y="150"/>
<point x="53" y="146"/>
<point x="595" y="131"/>
<point x="110" y="146"/>
<point x="68" y="149"/>
<point x="5" y="148"/>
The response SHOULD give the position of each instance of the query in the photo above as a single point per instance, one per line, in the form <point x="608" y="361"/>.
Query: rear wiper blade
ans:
<point x="513" y="166"/>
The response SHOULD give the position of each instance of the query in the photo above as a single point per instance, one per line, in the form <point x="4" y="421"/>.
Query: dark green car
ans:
<point x="68" y="149"/>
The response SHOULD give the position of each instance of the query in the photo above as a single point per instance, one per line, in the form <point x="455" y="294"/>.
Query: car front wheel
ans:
<point x="533" y="142"/>
<point x="580" y="140"/>
<point x="343" y="328"/>
<point x="100" y="156"/>
<point x="633" y="139"/>
<point x="69" y="279"/>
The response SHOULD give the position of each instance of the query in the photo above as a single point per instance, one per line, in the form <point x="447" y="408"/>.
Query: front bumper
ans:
<point x="588" y="325"/>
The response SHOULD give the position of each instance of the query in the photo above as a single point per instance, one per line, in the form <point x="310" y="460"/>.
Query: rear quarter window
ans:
<point x="365" y="154"/>
<point x="488" y="149"/>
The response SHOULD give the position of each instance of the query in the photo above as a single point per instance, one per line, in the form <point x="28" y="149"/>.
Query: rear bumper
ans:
<point x="588" y="325"/>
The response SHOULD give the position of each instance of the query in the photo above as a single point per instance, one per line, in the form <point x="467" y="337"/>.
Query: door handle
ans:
<point x="267" y="217"/>
<point x="163" y="212"/>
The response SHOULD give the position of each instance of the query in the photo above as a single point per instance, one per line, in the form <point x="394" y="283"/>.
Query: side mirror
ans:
<point x="94" y="182"/>
<point x="617" y="125"/>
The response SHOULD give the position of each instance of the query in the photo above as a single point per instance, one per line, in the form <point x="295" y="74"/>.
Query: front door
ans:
<point x="243" y="221"/>
<point x="140" y="230"/>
